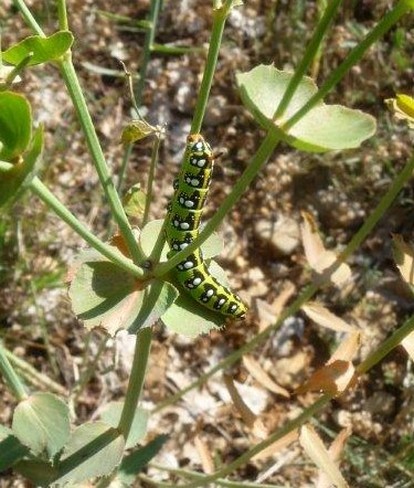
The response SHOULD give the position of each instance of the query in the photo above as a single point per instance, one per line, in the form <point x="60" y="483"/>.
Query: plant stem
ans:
<point x="151" y="176"/>
<point x="11" y="377"/>
<point x="149" y="41"/>
<point x="308" y="57"/>
<point x="63" y="15"/>
<point x="108" y="251"/>
<point x="136" y="380"/>
<point x="33" y="376"/>
<point x="308" y="291"/>
<point x="28" y="17"/>
<point x="353" y="57"/>
<point x="75" y="91"/>
<point x="387" y="346"/>
<point x="219" y="20"/>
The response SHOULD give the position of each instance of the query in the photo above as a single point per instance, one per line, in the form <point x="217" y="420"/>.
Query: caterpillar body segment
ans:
<point x="183" y="224"/>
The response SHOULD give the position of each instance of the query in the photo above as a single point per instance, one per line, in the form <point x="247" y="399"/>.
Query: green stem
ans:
<point x="62" y="15"/>
<point x="136" y="380"/>
<point x="28" y="17"/>
<point x="151" y="177"/>
<point x="353" y="57"/>
<point x="308" y="57"/>
<point x="386" y="347"/>
<point x="219" y="20"/>
<point x="108" y="251"/>
<point x="256" y="163"/>
<point x="11" y="377"/>
<point x="149" y="41"/>
<point x="259" y="159"/>
<point x="75" y="91"/>
<point x="33" y="376"/>
<point x="309" y="291"/>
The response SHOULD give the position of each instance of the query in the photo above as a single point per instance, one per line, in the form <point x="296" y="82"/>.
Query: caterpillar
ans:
<point x="183" y="221"/>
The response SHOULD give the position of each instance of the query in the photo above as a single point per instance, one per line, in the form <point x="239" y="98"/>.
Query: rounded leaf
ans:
<point x="111" y="414"/>
<point x="43" y="48"/>
<point x="188" y="317"/>
<point x="323" y="128"/>
<point x="41" y="422"/>
<point x="94" y="449"/>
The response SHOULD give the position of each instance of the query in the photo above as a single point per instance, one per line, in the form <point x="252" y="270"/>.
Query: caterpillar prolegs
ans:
<point x="184" y="216"/>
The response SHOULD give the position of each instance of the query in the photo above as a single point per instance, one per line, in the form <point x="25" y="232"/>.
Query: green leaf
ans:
<point x="11" y="451"/>
<point x="15" y="125"/>
<point x="40" y="473"/>
<point x="94" y="449"/>
<point x="44" y="49"/>
<point x="136" y="130"/>
<point x="104" y="295"/>
<point x="188" y="317"/>
<point x="323" y="128"/>
<point x="134" y="201"/>
<point x="111" y="414"/>
<point x="41" y="422"/>
<point x="14" y="181"/>
<point x="136" y="461"/>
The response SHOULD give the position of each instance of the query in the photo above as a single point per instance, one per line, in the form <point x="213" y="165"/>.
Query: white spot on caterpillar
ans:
<point x="221" y="302"/>
<point x="194" y="161"/>
<point x="189" y="204"/>
<point x="195" y="182"/>
<point x="183" y="245"/>
<point x="204" y="299"/>
<point x="209" y="293"/>
<point x="201" y="163"/>
<point x="176" y="247"/>
<point x="196" y="281"/>
<point x="176" y="223"/>
<point x="185" y="225"/>
<point x="188" y="265"/>
<point x="182" y="200"/>
<point x="199" y="146"/>
<point x="233" y="308"/>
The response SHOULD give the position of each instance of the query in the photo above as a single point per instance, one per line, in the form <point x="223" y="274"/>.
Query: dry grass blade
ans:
<point x="322" y="316"/>
<point x="205" y="455"/>
<point x="258" y="373"/>
<point x="315" y="449"/>
<point x="319" y="258"/>
<point x="404" y="257"/>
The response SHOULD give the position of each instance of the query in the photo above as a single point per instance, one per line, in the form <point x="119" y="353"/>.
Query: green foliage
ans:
<point x="111" y="414"/>
<point x="42" y="49"/>
<point x="41" y="422"/>
<point x="15" y="125"/>
<point x="324" y="128"/>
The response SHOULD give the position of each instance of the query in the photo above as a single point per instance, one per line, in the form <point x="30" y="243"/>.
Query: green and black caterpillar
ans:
<point x="183" y="223"/>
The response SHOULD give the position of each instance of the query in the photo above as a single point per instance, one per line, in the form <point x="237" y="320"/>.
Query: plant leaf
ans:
<point x="134" y="201"/>
<point x="323" y="128"/>
<point x="188" y="317"/>
<point x="404" y="258"/>
<point x="15" y="181"/>
<point x="111" y="414"/>
<point x="104" y="295"/>
<point x="15" y="125"/>
<point x="315" y="449"/>
<point x="94" y="449"/>
<point x="41" y="422"/>
<point x="41" y="473"/>
<point x="137" y="130"/>
<point x="136" y="461"/>
<point x="11" y="450"/>
<point x="44" y="49"/>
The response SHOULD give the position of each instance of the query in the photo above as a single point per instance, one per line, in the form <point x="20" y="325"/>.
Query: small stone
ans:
<point x="283" y="235"/>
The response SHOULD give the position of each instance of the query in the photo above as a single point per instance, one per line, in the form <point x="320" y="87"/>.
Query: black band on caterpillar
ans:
<point x="184" y="215"/>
